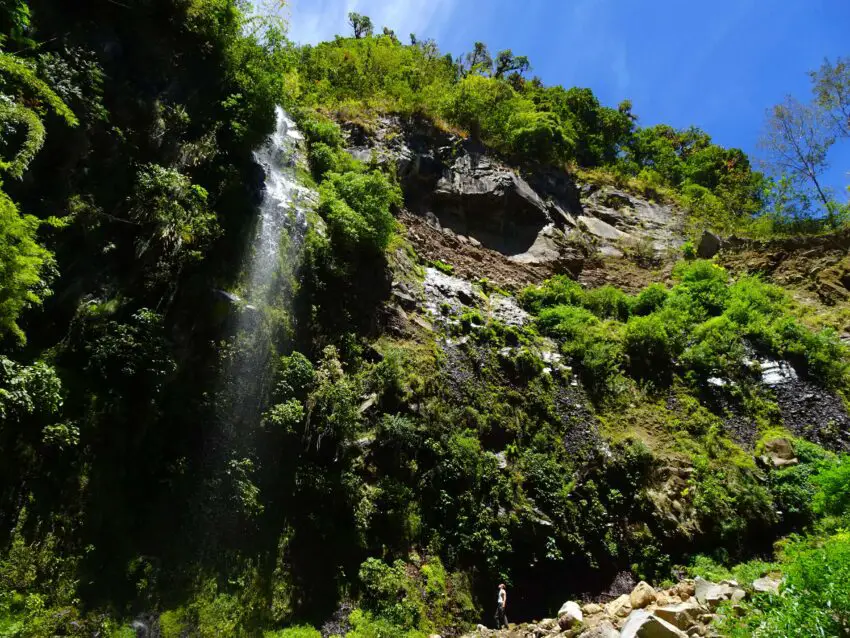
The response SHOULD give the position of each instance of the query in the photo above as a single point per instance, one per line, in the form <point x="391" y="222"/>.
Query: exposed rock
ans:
<point x="479" y="197"/>
<point x="685" y="589"/>
<point x="716" y="594"/>
<point x="683" y="615"/>
<point x="603" y="630"/>
<point x="404" y="299"/>
<point x="590" y="609"/>
<point x="701" y="588"/>
<point x="619" y="607"/>
<point x="766" y="585"/>
<point x="777" y="372"/>
<point x="779" y="452"/>
<point x="370" y="401"/>
<point x="642" y="595"/>
<point x="738" y="595"/>
<point x="569" y="615"/>
<point x="642" y="624"/>
<point x="709" y="245"/>
<point x="601" y="229"/>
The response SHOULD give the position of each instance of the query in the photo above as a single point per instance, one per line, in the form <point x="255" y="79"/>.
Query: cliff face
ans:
<point x="536" y="222"/>
<point x="482" y="231"/>
<point x="512" y="227"/>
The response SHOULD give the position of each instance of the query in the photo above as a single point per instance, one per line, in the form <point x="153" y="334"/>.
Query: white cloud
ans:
<point x="316" y="20"/>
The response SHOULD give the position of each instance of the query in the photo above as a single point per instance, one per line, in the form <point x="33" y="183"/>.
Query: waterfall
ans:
<point x="268" y="275"/>
<point x="283" y="209"/>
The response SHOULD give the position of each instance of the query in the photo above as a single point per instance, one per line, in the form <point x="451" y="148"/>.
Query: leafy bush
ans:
<point x="320" y="130"/>
<point x="833" y="496"/>
<point x="25" y="267"/>
<point x="357" y="208"/>
<point x="650" y="299"/>
<point x="815" y="600"/>
<point x="607" y="302"/>
<point x="301" y="631"/>
<point x="539" y="137"/>
<point x="560" y="290"/>
<point x="648" y="345"/>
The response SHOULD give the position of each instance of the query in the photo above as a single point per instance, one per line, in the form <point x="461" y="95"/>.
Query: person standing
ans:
<point x="501" y="606"/>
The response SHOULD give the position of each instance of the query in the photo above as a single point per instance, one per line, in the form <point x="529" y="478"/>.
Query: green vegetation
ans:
<point x="352" y="469"/>
<point x="704" y="326"/>
<point x="814" y="595"/>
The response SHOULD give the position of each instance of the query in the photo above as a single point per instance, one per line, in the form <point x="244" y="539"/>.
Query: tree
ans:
<point x="507" y="62"/>
<point x="478" y="60"/>
<point x="831" y="87"/>
<point x="797" y="139"/>
<point x="25" y="267"/>
<point x="362" y="25"/>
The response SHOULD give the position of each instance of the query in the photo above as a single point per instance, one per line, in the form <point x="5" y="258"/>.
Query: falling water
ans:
<point x="268" y="272"/>
<point x="283" y="209"/>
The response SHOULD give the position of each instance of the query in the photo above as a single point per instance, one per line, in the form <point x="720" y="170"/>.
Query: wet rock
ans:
<point x="404" y="299"/>
<point x="569" y="615"/>
<point x="508" y="311"/>
<point x="776" y="372"/>
<point x="642" y="595"/>
<point x="709" y="245"/>
<point x="766" y="585"/>
<point x="642" y="624"/>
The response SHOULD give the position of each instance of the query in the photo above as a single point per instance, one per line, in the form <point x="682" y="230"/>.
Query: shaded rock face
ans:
<point x="475" y="196"/>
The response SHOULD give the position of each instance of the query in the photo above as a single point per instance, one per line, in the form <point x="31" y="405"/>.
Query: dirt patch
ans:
<point x="623" y="273"/>
<point x="471" y="262"/>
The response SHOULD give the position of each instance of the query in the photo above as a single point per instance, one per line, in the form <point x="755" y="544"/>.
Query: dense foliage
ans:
<point x="703" y="327"/>
<point x="160" y="464"/>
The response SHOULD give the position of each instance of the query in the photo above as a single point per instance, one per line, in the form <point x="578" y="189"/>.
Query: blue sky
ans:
<point x="717" y="64"/>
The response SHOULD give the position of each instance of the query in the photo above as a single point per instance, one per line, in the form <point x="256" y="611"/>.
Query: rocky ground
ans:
<point x="688" y="610"/>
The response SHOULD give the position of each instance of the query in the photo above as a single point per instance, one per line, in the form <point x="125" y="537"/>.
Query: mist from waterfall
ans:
<point x="268" y="273"/>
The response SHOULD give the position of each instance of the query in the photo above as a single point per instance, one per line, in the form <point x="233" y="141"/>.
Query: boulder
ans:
<point x="603" y="630"/>
<point x="738" y="595"/>
<point x="591" y="608"/>
<point x="683" y="615"/>
<point x="717" y="594"/>
<point x="701" y="587"/>
<point x="619" y="607"/>
<point x="642" y="595"/>
<point x="709" y="245"/>
<point x="766" y="585"/>
<point x="685" y="589"/>
<point x="779" y="452"/>
<point x="549" y="624"/>
<point x="642" y="624"/>
<point x="404" y="299"/>
<point x="569" y="615"/>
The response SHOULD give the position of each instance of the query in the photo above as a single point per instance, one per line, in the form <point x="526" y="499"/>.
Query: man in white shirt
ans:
<point x="501" y="605"/>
